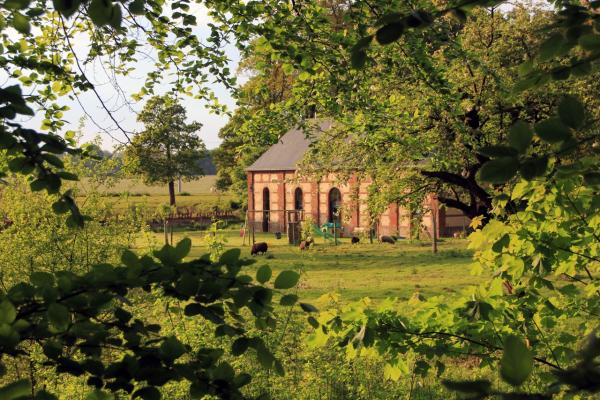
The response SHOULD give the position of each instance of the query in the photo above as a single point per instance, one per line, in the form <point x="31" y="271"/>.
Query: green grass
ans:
<point x="198" y="193"/>
<point x="201" y="202"/>
<point x="375" y="270"/>
<point x="202" y="185"/>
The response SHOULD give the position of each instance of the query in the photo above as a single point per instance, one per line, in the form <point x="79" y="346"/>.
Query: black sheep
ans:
<point x="354" y="240"/>
<point x="387" y="239"/>
<point x="257" y="248"/>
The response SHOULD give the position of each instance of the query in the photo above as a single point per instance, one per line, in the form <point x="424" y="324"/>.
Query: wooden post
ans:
<point x="171" y="226"/>
<point x="434" y="248"/>
<point x="245" y="229"/>
<point x="165" y="229"/>
<point x="253" y="232"/>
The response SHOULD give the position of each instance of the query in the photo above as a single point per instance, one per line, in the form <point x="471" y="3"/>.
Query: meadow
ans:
<point x="198" y="193"/>
<point x="377" y="270"/>
<point x="333" y="276"/>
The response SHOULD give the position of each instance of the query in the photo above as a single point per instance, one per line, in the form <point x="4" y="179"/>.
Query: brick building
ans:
<point x="278" y="195"/>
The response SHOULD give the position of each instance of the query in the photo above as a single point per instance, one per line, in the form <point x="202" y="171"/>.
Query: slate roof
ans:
<point x="288" y="151"/>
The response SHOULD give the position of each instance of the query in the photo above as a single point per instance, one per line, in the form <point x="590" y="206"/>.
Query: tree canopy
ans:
<point x="168" y="148"/>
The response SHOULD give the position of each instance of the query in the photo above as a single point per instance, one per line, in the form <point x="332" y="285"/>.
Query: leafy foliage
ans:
<point x="85" y="327"/>
<point x="168" y="148"/>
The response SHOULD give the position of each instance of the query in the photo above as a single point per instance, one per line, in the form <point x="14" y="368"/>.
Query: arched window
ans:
<point x="335" y="204"/>
<point x="266" y="208"/>
<point x="298" y="199"/>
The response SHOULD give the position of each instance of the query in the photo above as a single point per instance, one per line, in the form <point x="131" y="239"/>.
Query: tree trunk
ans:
<point x="171" y="193"/>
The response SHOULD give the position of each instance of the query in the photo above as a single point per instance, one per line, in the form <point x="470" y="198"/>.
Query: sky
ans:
<point x="98" y="118"/>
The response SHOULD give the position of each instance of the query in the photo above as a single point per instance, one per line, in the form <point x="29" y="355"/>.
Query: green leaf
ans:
<point x="389" y="33"/>
<point x="263" y="274"/>
<point x="358" y="59"/>
<point x="363" y="43"/>
<point x="129" y="258"/>
<point x="59" y="316"/>
<point x="571" y="112"/>
<point x="60" y="207"/>
<point x="550" y="47"/>
<point x="499" y="170"/>
<point x="231" y="257"/>
<point x="16" y="390"/>
<point x="100" y="11"/>
<point x="19" y="164"/>
<point x="520" y="136"/>
<point x="517" y="361"/>
<point x="498" y="151"/>
<point x="288" y="300"/>
<point x="265" y="358"/>
<point x="136" y="7"/>
<point x="286" y="280"/>
<point x="187" y="284"/>
<point x="182" y="249"/>
<point x="239" y="346"/>
<point x="171" y="349"/>
<point x="66" y="7"/>
<point x="42" y="279"/>
<point x="21" y="23"/>
<point x="553" y="130"/>
<point x="581" y="68"/>
<point x="67" y="176"/>
<point x="16" y="4"/>
<point x="309" y="308"/>
<point x="116" y="16"/>
<point x="590" y="41"/>
<point x="8" y="312"/>
<point x="313" y="322"/>
<point x="54" y="160"/>
<point x="193" y="309"/>
<point x="38" y="185"/>
<point x="533" y="167"/>
<point x="591" y="178"/>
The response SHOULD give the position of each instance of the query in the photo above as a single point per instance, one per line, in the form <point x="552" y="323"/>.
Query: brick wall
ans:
<point x="282" y="185"/>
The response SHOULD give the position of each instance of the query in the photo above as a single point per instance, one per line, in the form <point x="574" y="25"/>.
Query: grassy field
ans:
<point x="202" y="185"/>
<point x="375" y="270"/>
<point x="198" y="193"/>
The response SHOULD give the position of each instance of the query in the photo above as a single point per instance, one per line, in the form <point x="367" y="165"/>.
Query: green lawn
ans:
<point x="375" y="270"/>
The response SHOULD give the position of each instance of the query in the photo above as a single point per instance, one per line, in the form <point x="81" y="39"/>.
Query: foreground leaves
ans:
<point x="60" y="311"/>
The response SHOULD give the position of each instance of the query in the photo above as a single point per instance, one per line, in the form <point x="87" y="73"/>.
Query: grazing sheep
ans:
<point x="354" y="240"/>
<point x="387" y="239"/>
<point x="257" y="248"/>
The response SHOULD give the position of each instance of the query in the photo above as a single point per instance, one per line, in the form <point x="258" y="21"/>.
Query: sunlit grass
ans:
<point x="375" y="270"/>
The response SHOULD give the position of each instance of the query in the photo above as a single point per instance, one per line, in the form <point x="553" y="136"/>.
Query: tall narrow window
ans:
<point x="335" y="204"/>
<point x="266" y="208"/>
<point x="298" y="199"/>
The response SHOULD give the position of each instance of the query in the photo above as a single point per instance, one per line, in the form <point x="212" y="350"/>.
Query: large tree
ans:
<point x="420" y="115"/>
<point x="258" y="122"/>
<point x="168" y="148"/>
